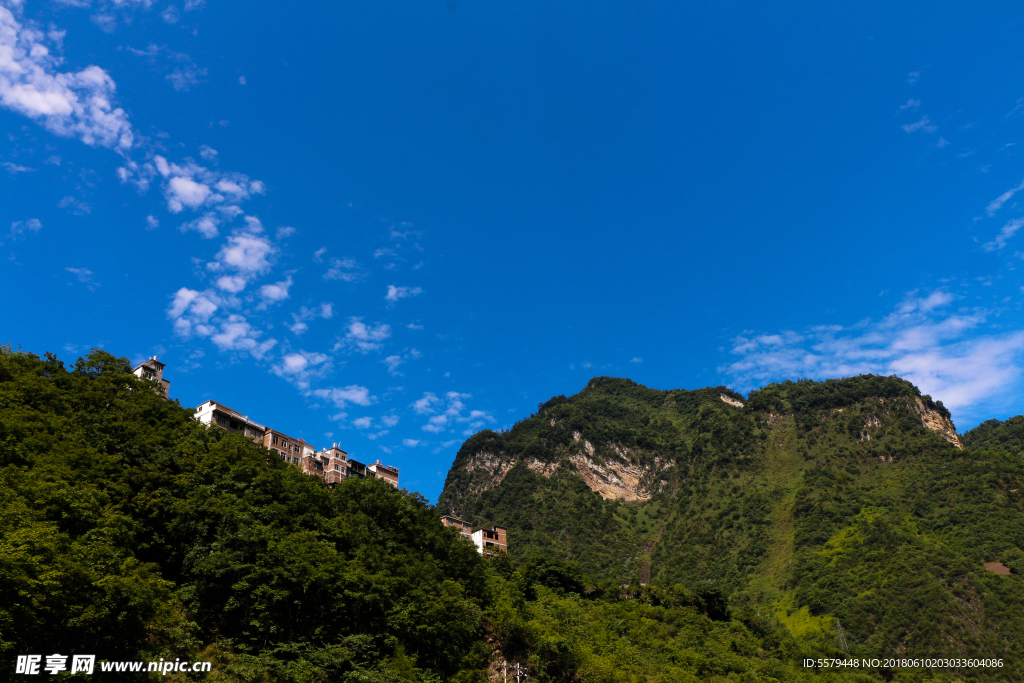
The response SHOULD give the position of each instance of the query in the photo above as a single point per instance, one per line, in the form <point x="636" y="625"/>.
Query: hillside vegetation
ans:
<point x="131" y="532"/>
<point x="811" y="502"/>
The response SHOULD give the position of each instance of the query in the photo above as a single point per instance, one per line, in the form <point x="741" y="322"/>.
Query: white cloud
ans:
<point x="71" y="104"/>
<point x="998" y="202"/>
<point x="924" y="124"/>
<point x="436" y="424"/>
<point x="302" y="366"/>
<point x="205" y="225"/>
<point x="152" y="223"/>
<point x="342" y="269"/>
<point x="636" y="359"/>
<point x="341" y="396"/>
<point x="170" y="14"/>
<point x="189" y="185"/>
<point x="275" y="292"/>
<point x="231" y="283"/>
<point x="246" y="253"/>
<point x="15" y="169"/>
<point x="236" y="334"/>
<point x="395" y="293"/>
<point x="182" y="192"/>
<point x="318" y="255"/>
<point x="241" y="80"/>
<point x="186" y="75"/>
<point x="75" y="206"/>
<point x="20" y="228"/>
<point x="411" y="443"/>
<point x="208" y="153"/>
<point x="298" y="326"/>
<point x="1008" y="231"/>
<point x="393" y="362"/>
<point x="946" y="353"/>
<point x="449" y="412"/>
<point x="425" y="405"/>
<point x="284" y="232"/>
<point x="191" y="311"/>
<point x="84" y="275"/>
<point x="414" y="326"/>
<point x="911" y="104"/>
<point x="365" y="337"/>
<point x="362" y="422"/>
<point x="389" y="420"/>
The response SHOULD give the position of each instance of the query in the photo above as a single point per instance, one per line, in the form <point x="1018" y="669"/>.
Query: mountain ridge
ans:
<point x="850" y="499"/>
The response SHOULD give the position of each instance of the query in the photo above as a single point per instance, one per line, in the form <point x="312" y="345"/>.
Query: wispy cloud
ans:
<point x="1008" y="231"/>
<point x="299" y="320"/>
<point x="924" y="125"/>
<point x="75" y="206"/>
<point x="344" y="269"/>
<point x="394" y="294"/>
<point x="301" y="367"/>
<point x="998" y="202"/>
<point x="84" y="275"/>
<point x="15" y="169"/>
<point x="21" y="228"/>
<point x="71" y="104"/>
<point x="245" y="255"/>
<point x="364" y="338"/>
<point x="342" y="396"/>
<point x="446" y="412"/>
<point x="946" y="353"/>
<point x="275" y="292"/>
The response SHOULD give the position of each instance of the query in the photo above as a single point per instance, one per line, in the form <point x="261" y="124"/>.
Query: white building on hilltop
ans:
<point x="153" y="369"/>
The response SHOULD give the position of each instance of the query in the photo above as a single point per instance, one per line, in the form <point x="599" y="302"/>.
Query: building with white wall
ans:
<point x="219" y="415"/>
<point x="153" y="370"/>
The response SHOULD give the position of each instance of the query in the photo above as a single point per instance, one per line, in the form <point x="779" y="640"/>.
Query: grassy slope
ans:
<point x="782" y="506"/>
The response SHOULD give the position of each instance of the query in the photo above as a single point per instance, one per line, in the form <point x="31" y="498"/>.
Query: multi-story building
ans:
<point x="487" y="541"/>
<point x="457" y="523"/>
<point x="335" y="464"/>
<point x="491" y="540"/>
<point x="290" y="449"/>
<point x="331" y="464"/>
<point x="153" y="369"/>
<point x="385" y="472"/>
<point x="213" y="413"/>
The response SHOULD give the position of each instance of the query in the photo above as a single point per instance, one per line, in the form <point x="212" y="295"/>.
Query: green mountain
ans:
<point x="133" y="533"/>
<point x="850" y="501"/>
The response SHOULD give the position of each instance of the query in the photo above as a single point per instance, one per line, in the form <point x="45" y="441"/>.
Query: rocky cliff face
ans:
<point x="618" y="477"/>
<point x="937" y="422"/>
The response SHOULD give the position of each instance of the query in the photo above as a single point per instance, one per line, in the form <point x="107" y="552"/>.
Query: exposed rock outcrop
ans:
<point x="616" y="478"/>
<point x="732" y="401"/>
<point x="937" y="422"/>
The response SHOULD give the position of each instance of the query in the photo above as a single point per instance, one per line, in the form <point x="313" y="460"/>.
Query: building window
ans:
<point x="275" y="440"/>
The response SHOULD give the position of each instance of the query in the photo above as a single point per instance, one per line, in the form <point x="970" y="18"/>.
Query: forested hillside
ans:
<point x="849" y="500"/>
<point x="133" y="533"/>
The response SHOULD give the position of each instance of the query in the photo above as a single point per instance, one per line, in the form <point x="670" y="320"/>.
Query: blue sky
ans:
<point x="392" y="224"/>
